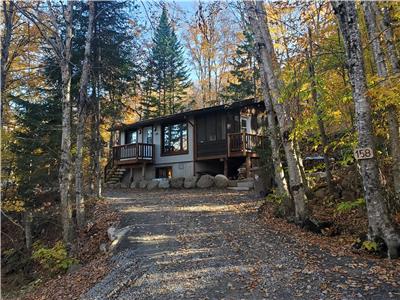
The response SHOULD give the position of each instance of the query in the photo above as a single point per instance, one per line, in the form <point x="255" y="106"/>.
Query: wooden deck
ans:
<point x="244" y="144"/>
<point x="133" y="153"/>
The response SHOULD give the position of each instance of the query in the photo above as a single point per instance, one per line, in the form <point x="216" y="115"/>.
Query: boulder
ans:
<point x="135" y="184"/>
<point x="190" y="182"/>
<point x="221" y="181"/>
<point x="111" y="232"/>
<point x="205" y="181"/>
<point x="164" y="184"/>
<point x="151" y="185"/>
<point x="143" y="184"/>
<point x="177" y="182"/>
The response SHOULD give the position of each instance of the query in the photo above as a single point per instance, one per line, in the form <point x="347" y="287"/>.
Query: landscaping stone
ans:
<point x="232" y="183"/>
<point x="164" y="184"/>
<point x="143" y="184"/>
<point x="151" y="185"/>
<point x="135" y="184"/>
<point x="246" y="183"/>
<point x="190" y="182"/>
<point x="111" y="233"/>
<point x="205" y="181"/>
<point x="221" y="181"/>
<point x="177" y="182"/>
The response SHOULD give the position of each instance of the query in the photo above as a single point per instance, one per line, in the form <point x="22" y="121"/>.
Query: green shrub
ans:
<point x="53" y="259"/>
<point x="350" y="205"/>
<point x="275" y="197"/>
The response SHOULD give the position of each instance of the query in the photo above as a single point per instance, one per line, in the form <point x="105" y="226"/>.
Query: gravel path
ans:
<point x="195" y="244"/>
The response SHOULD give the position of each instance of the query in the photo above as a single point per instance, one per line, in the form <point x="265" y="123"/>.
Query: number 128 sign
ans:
<point x="363" y="153"/>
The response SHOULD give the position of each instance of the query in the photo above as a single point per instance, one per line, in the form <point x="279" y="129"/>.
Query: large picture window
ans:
<point x="175" y="138"/>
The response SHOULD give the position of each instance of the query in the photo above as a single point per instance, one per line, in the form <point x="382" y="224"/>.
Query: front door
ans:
<point x="245" y="124"/>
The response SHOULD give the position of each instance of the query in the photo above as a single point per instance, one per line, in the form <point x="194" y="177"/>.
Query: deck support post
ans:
<point x="143" y="170"/>
<point x="130" y="175"/>
<point x="226" y="166"/>
<point x="248" y="166"/>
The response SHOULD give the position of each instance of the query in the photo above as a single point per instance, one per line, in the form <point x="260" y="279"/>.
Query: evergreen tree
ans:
<point x="245" y="72"/>
<point x="167" y="78"/>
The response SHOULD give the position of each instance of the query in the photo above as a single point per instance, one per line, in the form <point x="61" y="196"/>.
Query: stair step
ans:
<point x="239" y="188"/>
<point x="249" y="184"/>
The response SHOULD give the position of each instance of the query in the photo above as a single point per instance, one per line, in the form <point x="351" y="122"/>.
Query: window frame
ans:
<point x="180" y="152"/>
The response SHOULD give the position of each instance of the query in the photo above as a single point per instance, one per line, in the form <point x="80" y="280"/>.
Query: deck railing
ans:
<point x="244" y="142"/>
<point x="138" y="151"/>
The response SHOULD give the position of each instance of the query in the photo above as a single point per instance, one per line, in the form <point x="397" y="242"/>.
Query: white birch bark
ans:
<point x="380" y="223"/>
<point x="83" y="99"/>
<point x="274" y="139"/>
<point x="370" y="12"/>
<point x="258" y="21"/>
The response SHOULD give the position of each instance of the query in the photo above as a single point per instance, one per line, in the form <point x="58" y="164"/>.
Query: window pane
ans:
<point x="175" y="138"/>
<point x="184" y="137"/>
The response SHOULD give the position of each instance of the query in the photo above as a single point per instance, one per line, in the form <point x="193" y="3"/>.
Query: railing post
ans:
<point x="229" y="144"/>
<point x="244" y="143"/>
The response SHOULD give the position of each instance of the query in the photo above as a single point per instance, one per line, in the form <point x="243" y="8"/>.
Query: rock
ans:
<point x="246" y="183"/>
<point x="151" y="185"/>
<point x="205" y="181"/>
<point x="177" y="182"/>
<point x="221" y="181"/>
<point x="190" y="182"/>
<point x="111" y="232"/>
<point x="103" y="247"/>
<point x="73" y="268"/>
<point x="124" y="185"/>
<point x="143" y="184"/>
<point x="135" y="184"/>
<point x="232" y="183"/>
<point x="164" y="184"/>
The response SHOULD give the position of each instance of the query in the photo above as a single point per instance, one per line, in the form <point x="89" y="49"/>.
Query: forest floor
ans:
<point x="196" y="244"/>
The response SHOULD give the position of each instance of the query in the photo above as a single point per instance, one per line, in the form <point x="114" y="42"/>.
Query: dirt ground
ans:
<point x="210" y="244"/>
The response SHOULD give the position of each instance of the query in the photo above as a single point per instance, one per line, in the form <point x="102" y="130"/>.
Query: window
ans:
<point x="211" y="128"/>
<point x="165" y="172"/>
<point x="131" y="137"/>
<point x="148" y="135"/>
<point x="175" y="139"/>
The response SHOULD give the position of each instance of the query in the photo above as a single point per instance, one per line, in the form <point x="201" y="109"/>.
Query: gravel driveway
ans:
<point x="195" y="244"/>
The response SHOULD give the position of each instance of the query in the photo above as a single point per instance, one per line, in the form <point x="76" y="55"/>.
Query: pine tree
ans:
<point x="245" y="71"/>
<point x="167" y="77"/>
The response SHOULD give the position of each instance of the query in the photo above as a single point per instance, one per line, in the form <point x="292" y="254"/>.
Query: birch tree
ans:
<point x="258" y="22"/>
<point x="376" y="18"/>
<point x="82" y="115"/>
<point x="55" y="27"/>
<point x="380" y="223"/>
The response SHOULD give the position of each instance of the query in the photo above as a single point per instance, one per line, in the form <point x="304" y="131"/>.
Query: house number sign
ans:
<point x="363" y="153"/>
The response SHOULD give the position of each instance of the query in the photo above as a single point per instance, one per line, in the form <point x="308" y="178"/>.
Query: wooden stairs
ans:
<point x="114" y="175"/>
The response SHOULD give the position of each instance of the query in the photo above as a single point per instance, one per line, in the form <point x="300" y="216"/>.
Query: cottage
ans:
<point x="213" y="140"/>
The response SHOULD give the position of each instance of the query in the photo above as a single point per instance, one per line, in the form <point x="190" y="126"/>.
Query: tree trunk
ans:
<point x="65" y="162"/>
<point x="7" y="15"/>
<point x="257" y="18"/>
<point x="370" y="11"/>
<point x="379" y="219"/>
<point x="28" y="229"/>
<point x="273" y="137"/>
<point x="386" y="27"/>
<point x="83" y="99"/>
<point x="319" y="113"/>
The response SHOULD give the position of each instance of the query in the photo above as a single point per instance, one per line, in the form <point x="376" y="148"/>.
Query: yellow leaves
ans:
<point x="14" y="205"/>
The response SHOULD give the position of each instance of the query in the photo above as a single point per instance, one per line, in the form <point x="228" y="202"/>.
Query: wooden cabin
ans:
<point x="213" y="140"/>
